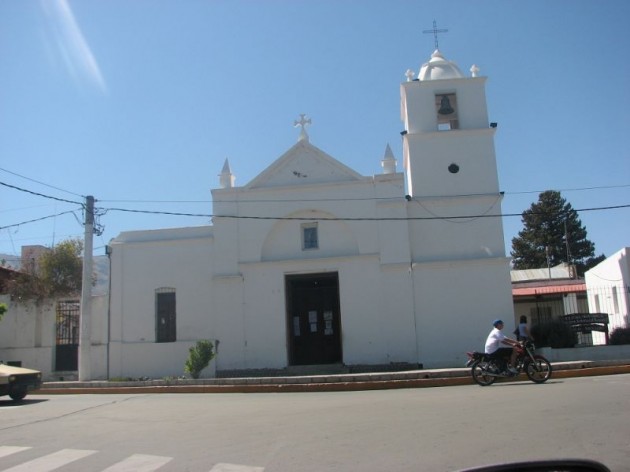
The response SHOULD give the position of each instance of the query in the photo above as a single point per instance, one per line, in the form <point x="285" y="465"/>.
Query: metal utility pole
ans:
<point x="85" y="338"/>
<point x="548" y="260"/>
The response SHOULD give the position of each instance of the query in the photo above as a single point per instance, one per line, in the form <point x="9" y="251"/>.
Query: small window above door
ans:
<point x="310" y="237"/>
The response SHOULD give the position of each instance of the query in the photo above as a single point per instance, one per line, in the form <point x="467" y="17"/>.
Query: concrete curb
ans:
<point x="332" y="383"/>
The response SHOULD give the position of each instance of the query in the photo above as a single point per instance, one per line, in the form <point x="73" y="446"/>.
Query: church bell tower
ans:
<point x="448" y="143"/>
<point x="460" y="274"/>
<point x="450" y="164"/>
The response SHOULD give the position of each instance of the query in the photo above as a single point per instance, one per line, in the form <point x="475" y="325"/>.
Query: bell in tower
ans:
<point x="445" y="106"/>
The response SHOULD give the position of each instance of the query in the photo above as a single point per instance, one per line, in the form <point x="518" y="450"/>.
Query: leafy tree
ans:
<point x="548" y="225"/>
<point x="62" y="268"/>
<point x="3" y="310"/>
<point x="56" y="273"/>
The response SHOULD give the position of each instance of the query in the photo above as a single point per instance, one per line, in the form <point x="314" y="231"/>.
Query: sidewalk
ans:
<point x="322" y="383"/>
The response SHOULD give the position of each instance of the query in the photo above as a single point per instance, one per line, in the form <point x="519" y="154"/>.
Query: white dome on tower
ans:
<point x="439" y="68"/>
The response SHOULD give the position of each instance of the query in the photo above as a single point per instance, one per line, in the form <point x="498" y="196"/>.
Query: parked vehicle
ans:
<point x="485" y="368"/>
<point x="18" y="381"/>
<point x="552" y="465"/>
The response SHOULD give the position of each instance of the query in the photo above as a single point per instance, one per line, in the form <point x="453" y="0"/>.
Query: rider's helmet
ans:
<point x="497" y="322"/>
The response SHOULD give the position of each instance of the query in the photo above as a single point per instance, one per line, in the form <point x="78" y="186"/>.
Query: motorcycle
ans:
<point x="485" y="368"/>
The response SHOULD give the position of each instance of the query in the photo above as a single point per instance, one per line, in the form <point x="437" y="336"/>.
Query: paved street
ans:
<point x="430" y="429"/>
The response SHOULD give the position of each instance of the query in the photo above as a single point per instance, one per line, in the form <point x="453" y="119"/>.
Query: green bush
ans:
<point x="555" y="334"/>
<point x="199" y="356"/>
<point x="620" y="336"/>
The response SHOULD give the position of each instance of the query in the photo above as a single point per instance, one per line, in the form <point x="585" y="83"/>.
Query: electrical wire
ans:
<point x="39" y="194"/>
<point x="103" y="211"/>
<point x="577" y="189"/>
<point x="37" y="219"/>
<point x="356" y="199"/>
<point x="41" y="183"/>
<point x="296" y="218"/>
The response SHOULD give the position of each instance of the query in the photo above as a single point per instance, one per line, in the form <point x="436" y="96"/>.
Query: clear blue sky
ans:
<point x="138" y="103"/>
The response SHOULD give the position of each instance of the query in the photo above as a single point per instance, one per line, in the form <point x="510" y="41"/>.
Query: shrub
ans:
<point x="555" y="334"/>
<point x="620" y="336"/>
<point x="199" y="356"/>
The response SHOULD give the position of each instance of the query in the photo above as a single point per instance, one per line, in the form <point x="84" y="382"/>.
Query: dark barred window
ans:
<point x="166" y="316"/>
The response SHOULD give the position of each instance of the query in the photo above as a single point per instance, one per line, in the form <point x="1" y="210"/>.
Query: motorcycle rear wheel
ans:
<point x="479" y="373"/>
<point x="538" y="370"/>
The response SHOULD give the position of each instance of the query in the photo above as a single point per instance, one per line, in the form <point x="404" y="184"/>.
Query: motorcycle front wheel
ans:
<point x="538" y="370"/>
<point x="479" y="371"/>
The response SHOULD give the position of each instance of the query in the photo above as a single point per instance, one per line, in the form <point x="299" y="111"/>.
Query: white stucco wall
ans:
<point x="456" y="303"/>
<point x="28" y="335"/>
<point x="417" y="283"/>
<point x="143" y="262"/>
<point x="246" y="300"/>
<point x="607" y="287"/>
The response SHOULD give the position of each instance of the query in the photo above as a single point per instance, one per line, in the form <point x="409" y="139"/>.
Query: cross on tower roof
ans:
<point x="302" y="122"/>
<point x="435" y="32"/>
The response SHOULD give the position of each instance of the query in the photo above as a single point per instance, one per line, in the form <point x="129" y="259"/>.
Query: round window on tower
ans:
<point x="453" y="168"/>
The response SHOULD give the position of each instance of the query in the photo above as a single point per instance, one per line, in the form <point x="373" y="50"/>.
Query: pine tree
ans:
<point x="553" y="234"/>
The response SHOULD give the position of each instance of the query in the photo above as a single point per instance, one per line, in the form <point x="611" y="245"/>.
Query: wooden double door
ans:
<point x="313" y="319"/>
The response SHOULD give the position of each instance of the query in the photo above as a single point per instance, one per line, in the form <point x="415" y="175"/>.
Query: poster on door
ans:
<point x="328" y="326"/>
<point x="312" y="320"/>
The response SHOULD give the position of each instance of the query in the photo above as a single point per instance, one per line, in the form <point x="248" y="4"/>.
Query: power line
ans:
<point x="37" y="219"/>
<point x="256" y="201"/>
<point x="602" y="187"/>
<point x="102" y="211"/>
<point x="41" y="183"/>
<point x="296" y="218"/>
<point x="577" y="189"/>
<point x="38" y="194"/>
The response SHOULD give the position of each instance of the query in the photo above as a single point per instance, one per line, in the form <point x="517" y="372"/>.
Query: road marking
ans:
<point x="51" y="461"/>
<point x="139" y="463"/>
<point x="133" y="463"/>
<point x="8" y="450"/>
<point x="221" y="467"/>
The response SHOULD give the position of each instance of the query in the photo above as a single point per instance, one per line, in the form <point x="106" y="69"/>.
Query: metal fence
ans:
<point x="614" y="300"/>
<point x="67" y="335"/>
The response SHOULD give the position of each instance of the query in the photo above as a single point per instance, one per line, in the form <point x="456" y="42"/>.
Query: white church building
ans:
<point x="311" y="263"/>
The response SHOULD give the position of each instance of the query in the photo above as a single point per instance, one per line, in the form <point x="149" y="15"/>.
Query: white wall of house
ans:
<point x="28" y="335"/>
<point x="607" y="286"/>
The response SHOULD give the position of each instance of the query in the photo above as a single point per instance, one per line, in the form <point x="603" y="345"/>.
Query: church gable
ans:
<point x="304" y="164"/>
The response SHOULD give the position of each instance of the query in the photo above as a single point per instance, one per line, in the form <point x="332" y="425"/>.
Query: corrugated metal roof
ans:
<point x="560" y="271"/>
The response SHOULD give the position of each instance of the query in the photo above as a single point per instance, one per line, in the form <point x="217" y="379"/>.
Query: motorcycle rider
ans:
<point x="493" y="345"/>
